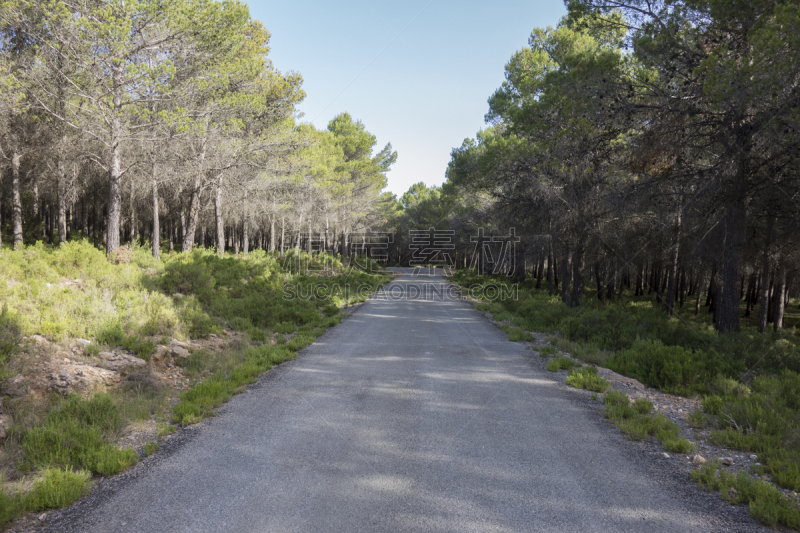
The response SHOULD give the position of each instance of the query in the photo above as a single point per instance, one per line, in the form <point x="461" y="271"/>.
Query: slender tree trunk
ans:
<point x="283" y="233"/>
<point x="194" y="203"/>
<point x="736" y="229"/>
<point x="577" y="275"/>
<point x="601" y="294"/>
<point x="780" y="300"/>
<point x="550" y="270"/>
<point x="698" y="295"/>
<point x="16" y="199"/>
<point x="299" y="232"/>
<point x="61" y="190"/>
<point x="763" y="310"/>
<point x="272" y="233"/>
<point x="156" y="222"/>
<point x="114" y="167"/>
<point x="220" y="224"/>
<point x="669" y="304"/>
<point x="565" y="276"/>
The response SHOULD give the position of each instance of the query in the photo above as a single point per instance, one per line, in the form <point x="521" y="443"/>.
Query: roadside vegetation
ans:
<point x="749" y="383"/>
<point x="56" y="443"/>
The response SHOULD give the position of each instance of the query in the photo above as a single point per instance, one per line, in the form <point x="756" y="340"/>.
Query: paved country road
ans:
<point x="408" y="416"/>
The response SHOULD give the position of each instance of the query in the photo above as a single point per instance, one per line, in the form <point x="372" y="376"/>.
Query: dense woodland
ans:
<point x="641" y="146"/>
<point x="165" y="122"/>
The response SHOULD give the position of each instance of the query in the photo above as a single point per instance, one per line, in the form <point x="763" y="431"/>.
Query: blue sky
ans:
<point x="417" y="73"/>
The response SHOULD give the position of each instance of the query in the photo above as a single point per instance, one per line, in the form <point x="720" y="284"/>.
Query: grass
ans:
<point x="547" y="351"/>
<point x="763" y="418"/>
<point x="561" y="363"/>
<point x="636" y="421"/>
<point x="76" y="433"/>
<point x="765" y="502"/>
<point x="587" y="378"/>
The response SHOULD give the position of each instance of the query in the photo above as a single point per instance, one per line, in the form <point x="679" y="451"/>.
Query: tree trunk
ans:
<point x="156" y="222"/>
<point x="114" y="167"/>
<point x="736" y="229"/>
<point x="16" y="200"/>
<point x="194" y="204"/>
<point x="565" y="277"/>
<point x="61" y="190"/>
<point x="669" y="304"/>
<point x="577" y="275"/>
<point x="698" y="295"/>
<point x="763" y="310"/>
<point x="283" y="233"/>
<point x="218" y="218"/>
<point x="272" y="233"/>
<point x="780" y="300"/>
<point x="550" y="271"/>
<point x="601" y="294"/>
<point x="299" y="232"/>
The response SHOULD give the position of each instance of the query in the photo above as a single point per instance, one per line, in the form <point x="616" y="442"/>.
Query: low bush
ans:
<point x="561" y="363"/>
<point x="76" y="433"/>
<point x="546" y="351"/>
<point x="587" y="378"/>
<point x="672" y="369"/>
<point x="765" y="502"/>
<point x="636" y="422"/>
<point x="763" y="418"/>
<point x="57" y="488"/>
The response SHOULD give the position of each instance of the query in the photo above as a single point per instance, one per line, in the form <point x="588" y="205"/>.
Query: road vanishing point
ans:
<point x="410" y="415"/>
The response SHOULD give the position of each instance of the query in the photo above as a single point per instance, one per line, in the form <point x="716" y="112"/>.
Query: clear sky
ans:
<point x="418" y="73"/>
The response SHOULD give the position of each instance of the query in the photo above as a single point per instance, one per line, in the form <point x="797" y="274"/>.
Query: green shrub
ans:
<point x="11" y="506"/>
<point x="636" y="422"/>
<point x="150" y="448"/>
<point x="765" y="502"/>
<point x="546" y="351"/>
<point x="672" y="369"/>
<point x="10" y="335"/>
<point x="763" y="418"/>
<point x="643" y="406"/>
<point x="57" y="488"/>
<point x="561" y="363"/>
<point x="587" y="378"/>
<point x="75" y="434"/>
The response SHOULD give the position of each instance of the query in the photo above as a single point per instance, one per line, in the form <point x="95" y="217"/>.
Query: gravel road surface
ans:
<point x="411" y="415"/>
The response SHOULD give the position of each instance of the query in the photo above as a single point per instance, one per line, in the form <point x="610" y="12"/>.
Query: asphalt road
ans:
<point x="411" y="415"/>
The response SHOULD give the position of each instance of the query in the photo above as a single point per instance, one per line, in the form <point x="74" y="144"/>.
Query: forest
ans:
<point x="649" y="146"/>
<point x="166" y="123"/>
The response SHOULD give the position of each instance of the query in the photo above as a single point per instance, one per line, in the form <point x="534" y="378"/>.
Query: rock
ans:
<point x="727" y="461"/>
<point x="753" y="457"/>
<point x="610" y="375"/>
<point x="665" y="455"/>
<point x="38" y="339"/>
<point x="180" y="351"/>
<point x="83" y="378"/>
<point x="15" y="386"/>
<point x="185" y="345"/>
<point x="42" y="516"/>
<point x="160" y="355"/>
<point x="84" y="342"/>
<point x="699" y="459"/>
<point x="120" y="362"/>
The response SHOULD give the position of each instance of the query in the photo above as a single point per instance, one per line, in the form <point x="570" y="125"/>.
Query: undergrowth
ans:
<point x="764" y="501"/>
